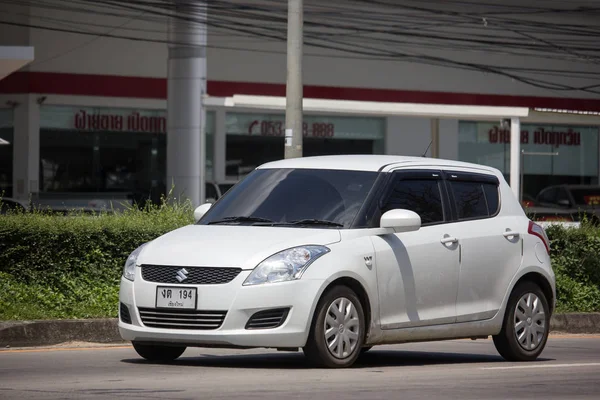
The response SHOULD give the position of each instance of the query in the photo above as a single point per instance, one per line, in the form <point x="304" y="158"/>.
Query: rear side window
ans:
<point x="475" y="199"/>
<point x="421" y="196"/>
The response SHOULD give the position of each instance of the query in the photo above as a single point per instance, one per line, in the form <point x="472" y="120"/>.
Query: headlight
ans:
<point x="129" y="268"/>
<point x="286" y="265"/>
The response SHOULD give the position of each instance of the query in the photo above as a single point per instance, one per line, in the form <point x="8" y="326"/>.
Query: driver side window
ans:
<point x="423" y="196"/>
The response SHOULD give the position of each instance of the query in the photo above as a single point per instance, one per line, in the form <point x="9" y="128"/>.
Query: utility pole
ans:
<point x="294" y="87"/>
<point x="185" y="111"/>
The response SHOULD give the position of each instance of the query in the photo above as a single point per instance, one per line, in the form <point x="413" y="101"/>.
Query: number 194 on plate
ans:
<point x="175" y="297"/>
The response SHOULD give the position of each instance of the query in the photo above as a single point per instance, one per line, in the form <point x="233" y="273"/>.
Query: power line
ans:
<point x="381" y="35"/>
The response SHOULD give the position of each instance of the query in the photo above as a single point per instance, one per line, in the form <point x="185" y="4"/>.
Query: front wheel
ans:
<point x="158" y="353"/>
<point x="526" y="324"/>
<point x="338" y="329"/>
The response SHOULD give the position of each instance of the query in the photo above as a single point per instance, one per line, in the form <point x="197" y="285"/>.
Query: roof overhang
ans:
<point x="13" y="58"/>
<point x="375" y="108"/>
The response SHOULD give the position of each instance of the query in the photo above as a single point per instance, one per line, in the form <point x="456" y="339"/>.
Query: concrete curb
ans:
<point x="48" y="333"/>
<point x="45" y="333"/>
<point x="575" y="323"/>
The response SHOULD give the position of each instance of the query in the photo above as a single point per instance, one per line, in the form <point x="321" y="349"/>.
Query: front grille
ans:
<point x="182" y="319"/>
<point x="195" y="276"/>
<point x="124" y="313"/>
<point x="268" y="319"/>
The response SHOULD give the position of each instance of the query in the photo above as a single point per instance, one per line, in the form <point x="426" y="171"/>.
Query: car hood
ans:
<point x="229" y="246"/>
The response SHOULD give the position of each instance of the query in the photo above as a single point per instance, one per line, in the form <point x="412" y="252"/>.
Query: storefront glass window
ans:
<point x="575" y="163"/>
<point x="253" y="139"/>
<point x="6" y="152"/>
<point x="102" y="150"/>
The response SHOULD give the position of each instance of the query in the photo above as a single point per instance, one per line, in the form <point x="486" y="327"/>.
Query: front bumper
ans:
<point x="240" y="303"/>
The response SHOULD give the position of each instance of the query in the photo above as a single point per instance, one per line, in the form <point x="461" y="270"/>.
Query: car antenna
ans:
<point x="430" y="143"/>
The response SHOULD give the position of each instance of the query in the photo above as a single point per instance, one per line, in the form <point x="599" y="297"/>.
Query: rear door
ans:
<point x="490" y="244"/>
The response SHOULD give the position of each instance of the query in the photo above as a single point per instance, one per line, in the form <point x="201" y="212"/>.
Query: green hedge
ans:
<point x="576" y="263"/>
<point x="70" y="266"/>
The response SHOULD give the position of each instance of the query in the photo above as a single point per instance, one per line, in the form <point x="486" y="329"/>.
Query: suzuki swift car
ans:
<point x="336" y="254"/>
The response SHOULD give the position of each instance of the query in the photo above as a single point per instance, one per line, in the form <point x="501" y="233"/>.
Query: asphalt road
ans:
<point x="462" y="369"/>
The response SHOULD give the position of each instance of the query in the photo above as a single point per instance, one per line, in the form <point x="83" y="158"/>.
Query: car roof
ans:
<point x="372" y="162"/>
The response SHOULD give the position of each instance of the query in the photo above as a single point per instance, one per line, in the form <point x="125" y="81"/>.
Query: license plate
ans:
<point x="175" y="297"/>
<point x="592" y="200"/>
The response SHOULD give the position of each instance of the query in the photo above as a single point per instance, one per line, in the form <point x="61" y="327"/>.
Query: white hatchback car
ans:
<point x="336" y="254"/>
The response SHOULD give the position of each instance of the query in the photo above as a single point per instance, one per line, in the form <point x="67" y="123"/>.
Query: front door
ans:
<point x="417" y="272"/>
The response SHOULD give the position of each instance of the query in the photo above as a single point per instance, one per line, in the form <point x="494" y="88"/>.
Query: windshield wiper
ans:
<point x="240" y="218"/>
<point x="309" y="221"/>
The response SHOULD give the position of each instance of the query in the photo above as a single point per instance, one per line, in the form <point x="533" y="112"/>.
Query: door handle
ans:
<point x="509" y="234"/>
<point x="448" y="240"/>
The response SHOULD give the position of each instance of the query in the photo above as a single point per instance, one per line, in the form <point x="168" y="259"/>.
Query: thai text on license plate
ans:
<point x="175" y="297"/>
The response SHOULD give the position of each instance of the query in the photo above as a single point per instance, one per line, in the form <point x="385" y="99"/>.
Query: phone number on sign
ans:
<point x="277" y="128"/>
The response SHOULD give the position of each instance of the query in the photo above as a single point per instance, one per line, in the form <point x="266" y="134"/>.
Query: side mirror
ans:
<point x="201" y="210"/>
<point x="401" y="220"/>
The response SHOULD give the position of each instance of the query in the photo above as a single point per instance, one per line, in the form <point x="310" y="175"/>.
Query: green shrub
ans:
<point x="70" y="266"/>
<point x="576" y="262"/>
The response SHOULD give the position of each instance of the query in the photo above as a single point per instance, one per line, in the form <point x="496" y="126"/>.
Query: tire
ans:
<point x="351" y="335"/>
<point x="158" y="353"/>
<point x="533" y="325"/>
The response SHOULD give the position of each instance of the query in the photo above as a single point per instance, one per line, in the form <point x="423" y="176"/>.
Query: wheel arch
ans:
<point x="357" y="287"/>
<point x="543" y="283"/>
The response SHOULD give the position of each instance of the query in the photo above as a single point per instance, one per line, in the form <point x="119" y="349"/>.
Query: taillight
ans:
<point x="536" y="230"/>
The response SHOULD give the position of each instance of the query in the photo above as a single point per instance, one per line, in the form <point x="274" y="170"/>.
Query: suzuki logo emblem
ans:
<point x="182" y="275"/>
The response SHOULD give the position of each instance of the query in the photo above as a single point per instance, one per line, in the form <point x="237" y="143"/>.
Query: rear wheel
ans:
<point x="338" y="330"/>
<point x="526" y="324"/>
<point x="158" y="353"/>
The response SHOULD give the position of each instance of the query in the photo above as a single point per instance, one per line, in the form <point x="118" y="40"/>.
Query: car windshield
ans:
<point x="294" y="197"/>
<point x="587" y="197"/>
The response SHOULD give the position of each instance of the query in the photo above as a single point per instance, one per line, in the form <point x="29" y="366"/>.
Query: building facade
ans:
<point x="86" y="120"/>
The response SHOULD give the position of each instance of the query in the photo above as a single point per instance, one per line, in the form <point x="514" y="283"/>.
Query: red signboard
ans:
<point x="540" y="136"/>
<point x="134" y="122"/>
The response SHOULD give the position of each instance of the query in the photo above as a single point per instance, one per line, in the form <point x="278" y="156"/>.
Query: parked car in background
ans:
<point x="8" y="204"/>
<point x="577" y="197"/>
<point x="555" y="215"/>
<point x="214" y="191"/>
<point x="336" y="254"/>
<point x="528" y="201"/>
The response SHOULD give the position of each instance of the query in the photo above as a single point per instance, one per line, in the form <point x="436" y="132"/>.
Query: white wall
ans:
<point x="448" y="147"/>
<point x="408" y="136"/>
<point x="11" y="35"/>
<point x="254" y="60"/>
